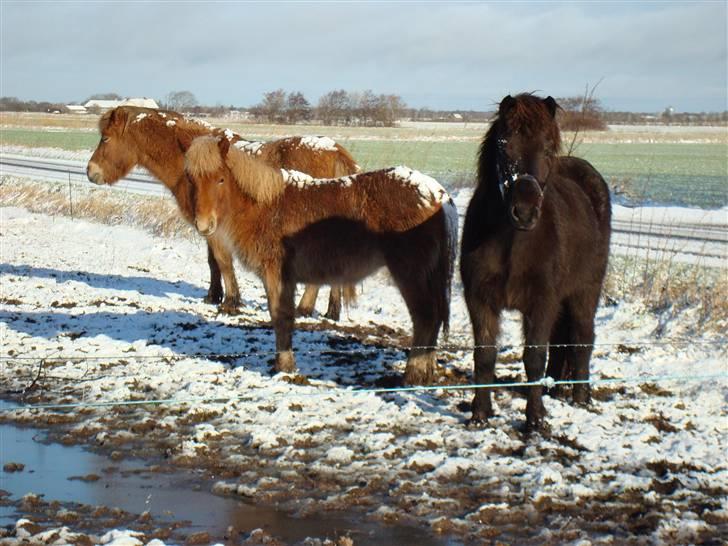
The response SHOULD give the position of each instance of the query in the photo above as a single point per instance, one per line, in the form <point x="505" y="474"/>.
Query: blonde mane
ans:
<point x="255" y="178"/>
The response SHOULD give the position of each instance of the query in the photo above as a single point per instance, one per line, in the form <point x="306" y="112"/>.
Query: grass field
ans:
<point x="649" y="165"/>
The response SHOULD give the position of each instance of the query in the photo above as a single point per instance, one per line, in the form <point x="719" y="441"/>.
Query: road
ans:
<point x="659" y="233"/>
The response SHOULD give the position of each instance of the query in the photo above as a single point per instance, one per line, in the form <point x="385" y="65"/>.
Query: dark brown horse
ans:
<point x="289" y="228"/>
<point x="132" y="136"/>
<point x="536" y="239"/>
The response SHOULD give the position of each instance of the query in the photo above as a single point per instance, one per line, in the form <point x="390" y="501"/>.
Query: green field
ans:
<point x="694" y="174"/>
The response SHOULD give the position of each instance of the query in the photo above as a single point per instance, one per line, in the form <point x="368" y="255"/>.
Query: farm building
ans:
<point x="76" y="109"/>
<point x="104" y="105"/>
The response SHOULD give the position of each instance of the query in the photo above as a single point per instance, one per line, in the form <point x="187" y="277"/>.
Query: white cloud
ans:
<point x="455" y="55"/>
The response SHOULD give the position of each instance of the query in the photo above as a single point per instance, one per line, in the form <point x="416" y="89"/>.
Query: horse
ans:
<point x="132" y="136"/>
<point x="288" y="227"/>
<point x="536" y="240"/>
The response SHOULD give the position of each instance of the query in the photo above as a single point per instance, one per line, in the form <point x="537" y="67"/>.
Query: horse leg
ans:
<point x="485" y="332"/>
<point x="281" y="303"/>
<point x="537" y="328"/>
<point x="420" y="369"/>
<point x="582" y="344"/>
<point x="224" y="259"/>
<point x="557" y="363"/>
<point x="334" y="310"/>
<point x="214" y="293"/>
<point x="308" y="301"/>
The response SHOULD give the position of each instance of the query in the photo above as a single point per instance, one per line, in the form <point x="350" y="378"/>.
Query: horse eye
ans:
<point x="104" y="139"/>
<point x="222" y="180"/>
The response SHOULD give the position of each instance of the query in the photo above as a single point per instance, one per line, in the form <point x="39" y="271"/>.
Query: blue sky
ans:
<point x="467" y="55"/>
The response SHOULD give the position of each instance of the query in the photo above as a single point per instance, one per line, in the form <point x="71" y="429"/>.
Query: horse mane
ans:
<point x="527" y="112"/>
<point x="254" y="178"/>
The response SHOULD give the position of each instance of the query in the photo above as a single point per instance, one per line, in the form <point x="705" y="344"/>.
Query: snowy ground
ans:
<point x="117" y="314"/>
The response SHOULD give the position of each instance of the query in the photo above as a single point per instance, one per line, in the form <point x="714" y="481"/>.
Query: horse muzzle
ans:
<point x="206" y="227"/>
<point x="95" y="174"/>
<point x="525" y="203"/>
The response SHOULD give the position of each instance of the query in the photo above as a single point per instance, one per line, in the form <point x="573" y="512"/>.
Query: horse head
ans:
<point x="527" y="141"/>
<point x="209" y="180"/>
<point x="113" y="157"/>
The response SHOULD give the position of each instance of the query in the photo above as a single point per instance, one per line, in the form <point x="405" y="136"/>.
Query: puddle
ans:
<point x="177" y="496"/>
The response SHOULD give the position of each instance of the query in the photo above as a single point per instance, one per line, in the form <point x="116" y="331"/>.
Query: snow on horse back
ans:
<point x="288" y="227"/>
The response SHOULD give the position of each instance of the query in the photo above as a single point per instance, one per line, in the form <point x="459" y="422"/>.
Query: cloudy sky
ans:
<point x="648" y="55"/>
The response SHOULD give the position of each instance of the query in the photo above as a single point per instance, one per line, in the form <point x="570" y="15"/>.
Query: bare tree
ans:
<point x="103" y="96"/>
<point x="297" y="108"/>
<point x="334" y="107"/>
<point x="581" y="113"/>
<point x="181" y="101"/>
<point x="273" y="105"/>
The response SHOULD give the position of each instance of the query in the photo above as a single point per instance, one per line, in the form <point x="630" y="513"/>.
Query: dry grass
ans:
<point x="668" y="288"/>
<point x="407" y="131"/>
<point x="38" y="120"/>
<point x="158" y="215"/>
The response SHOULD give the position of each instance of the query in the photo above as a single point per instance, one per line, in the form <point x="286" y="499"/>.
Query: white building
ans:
<point x="104" y="105"/>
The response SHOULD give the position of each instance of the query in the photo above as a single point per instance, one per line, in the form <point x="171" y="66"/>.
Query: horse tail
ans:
<point x="345" y="164"/>
<point x="447" y="262"/>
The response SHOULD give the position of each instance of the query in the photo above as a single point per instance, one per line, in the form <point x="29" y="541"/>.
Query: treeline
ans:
<point x="340" y="107"/>
<point x="365" y="108"/>
<point x="14" y="104"/>
<point x="668" y="117"/>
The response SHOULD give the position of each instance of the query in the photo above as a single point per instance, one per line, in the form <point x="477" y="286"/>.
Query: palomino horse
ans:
<point x="132" y="136"/>
<point x="536" y="239"/>
<point x="289" y="228"/>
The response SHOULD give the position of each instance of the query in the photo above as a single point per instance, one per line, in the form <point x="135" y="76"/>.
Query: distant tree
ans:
<point x="364" y="105"/>
<point x="584" y="113"/>
<point x="103" y="96"/>
<point x="273" y="106"/>
<point x="11" y="104"/>
<point x="181" y="101"/>
<point x="388" y="109"/>
<point x="334" y="107"/>
<point x="297" y="108"/>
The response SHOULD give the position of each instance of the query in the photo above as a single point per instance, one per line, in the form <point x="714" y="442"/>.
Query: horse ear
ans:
<point x="119" y="118"/>
<point x="551" y="105"/>
<point x="506" y="104"/>
<point x="224" y="146"/>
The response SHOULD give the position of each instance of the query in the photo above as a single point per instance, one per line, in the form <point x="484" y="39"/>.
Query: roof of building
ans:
<point x="108" y="104"/>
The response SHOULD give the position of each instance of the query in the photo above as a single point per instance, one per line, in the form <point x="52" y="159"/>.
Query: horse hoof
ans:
<point x="558" y="392"/>
<point x="229" y="309"/>
<point x="304" y="311"/>
<point x="477" y="422"/>
<point x="213" y="298"/>
<point x="581" y="396"/>
<point x="539" y="426"/>
<point x="285" y="362"/>
<point x="420" y="370"/>
<point x="332" y="316"/>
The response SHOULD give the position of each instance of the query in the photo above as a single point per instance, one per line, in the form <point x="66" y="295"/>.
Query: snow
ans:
<point x="140" y="117"/>
<point x="319" y="143"/>
<point x="249" y="147"/>
<point x="429" y="189"/>
<point x="123" y="310"/>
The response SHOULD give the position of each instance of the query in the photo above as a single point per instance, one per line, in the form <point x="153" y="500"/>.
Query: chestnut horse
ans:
<point x="536" y="239"/>
<point x="132" y="136"/>
<point x="289" y="228"/>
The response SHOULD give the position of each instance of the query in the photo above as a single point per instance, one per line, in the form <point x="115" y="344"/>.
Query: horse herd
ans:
<point x="298" y="210"/>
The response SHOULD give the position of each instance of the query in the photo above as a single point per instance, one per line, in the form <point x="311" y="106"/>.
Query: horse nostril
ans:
<point x="520" y="213"/>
